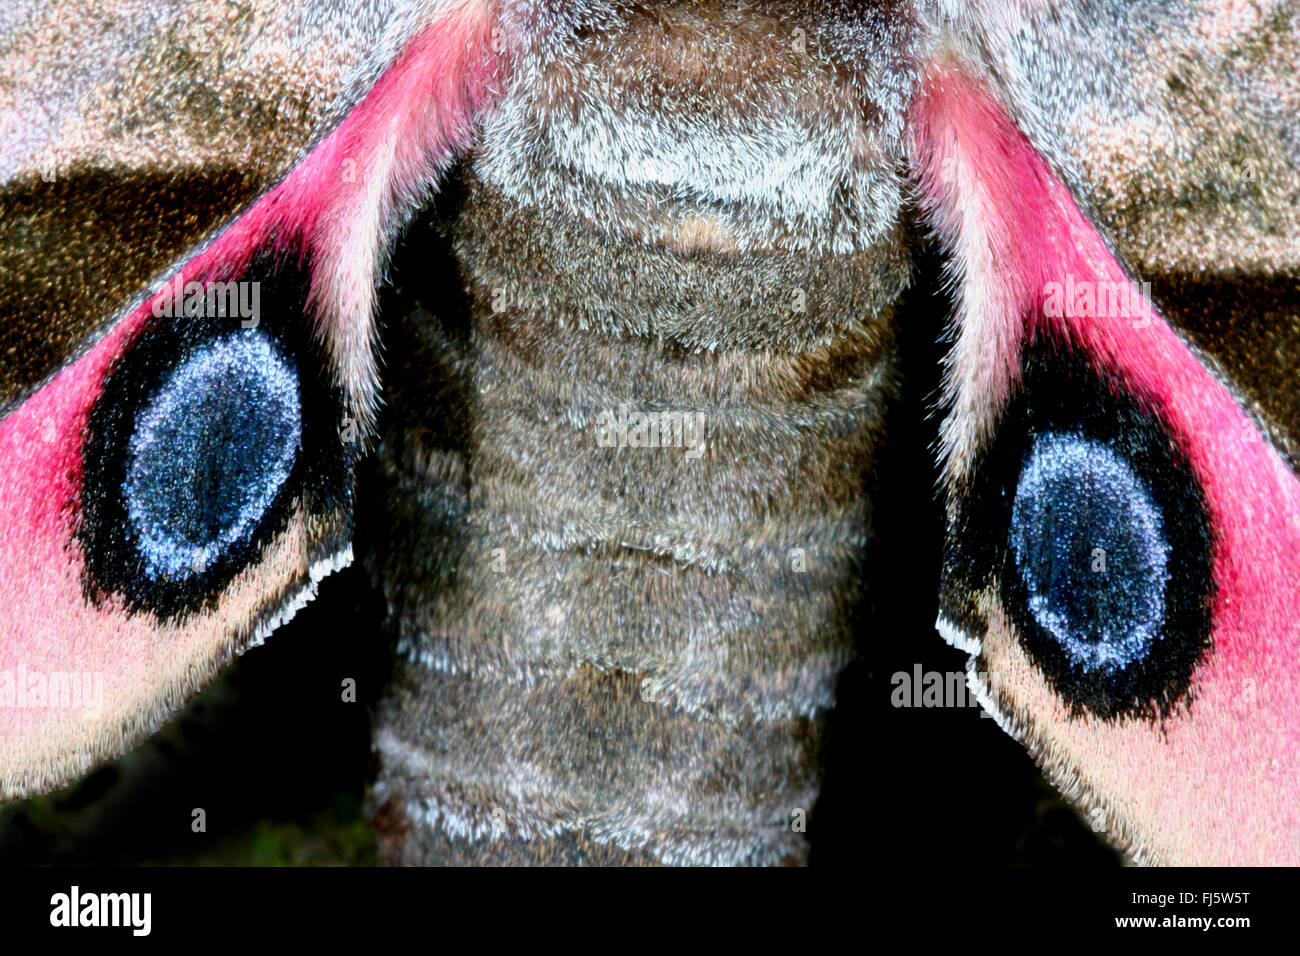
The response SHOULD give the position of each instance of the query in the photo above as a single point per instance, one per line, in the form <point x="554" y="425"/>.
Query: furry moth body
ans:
<point x="621" y="647"/>
<point x="573" y="588"/>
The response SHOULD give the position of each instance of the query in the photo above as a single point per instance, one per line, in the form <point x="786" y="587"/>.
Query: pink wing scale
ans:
<point x="334" y="206"/>
<point x="1014" y="228"/>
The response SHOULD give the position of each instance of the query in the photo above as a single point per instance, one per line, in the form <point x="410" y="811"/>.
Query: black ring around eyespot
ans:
<point x="208" y="429"/>
<point x="1113" y="640"/>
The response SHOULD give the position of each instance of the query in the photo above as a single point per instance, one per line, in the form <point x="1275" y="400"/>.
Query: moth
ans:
<point x="632" y="402"/>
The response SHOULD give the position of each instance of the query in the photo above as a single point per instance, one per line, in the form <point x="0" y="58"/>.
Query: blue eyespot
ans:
<point x="1090" y="547"/>
<point x="210" y="451"/>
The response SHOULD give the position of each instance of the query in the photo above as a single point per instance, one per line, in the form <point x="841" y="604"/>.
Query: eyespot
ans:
<point x="1084" y="518"/>
<point x="1088" y="543"/>
<point x="210" y="452"/>
<point x="206" y="439"/>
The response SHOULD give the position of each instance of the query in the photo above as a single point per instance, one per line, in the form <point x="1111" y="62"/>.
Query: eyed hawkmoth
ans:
<point x="635" y="386"/>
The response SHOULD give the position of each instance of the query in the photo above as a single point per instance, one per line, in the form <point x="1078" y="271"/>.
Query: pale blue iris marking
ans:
<point x="1089" y="544"/>
<point x="210" y="452"/>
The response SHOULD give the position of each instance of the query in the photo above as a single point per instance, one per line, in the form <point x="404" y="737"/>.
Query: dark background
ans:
<point x="280" y="764"/>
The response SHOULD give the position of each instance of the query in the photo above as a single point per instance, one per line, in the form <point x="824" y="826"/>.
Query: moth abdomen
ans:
<point x="622" y="634"/>
<point x="635" y="571"/>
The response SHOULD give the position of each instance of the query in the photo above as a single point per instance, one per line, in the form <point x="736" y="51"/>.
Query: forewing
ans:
<point x="1116" y="185"/>
<point x="176" y="484"/>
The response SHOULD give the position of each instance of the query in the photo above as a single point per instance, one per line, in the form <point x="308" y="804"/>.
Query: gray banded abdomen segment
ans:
<point x="618" y="640"/>
<point x="614" y="652"/>
<point x="586" y="755"/>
